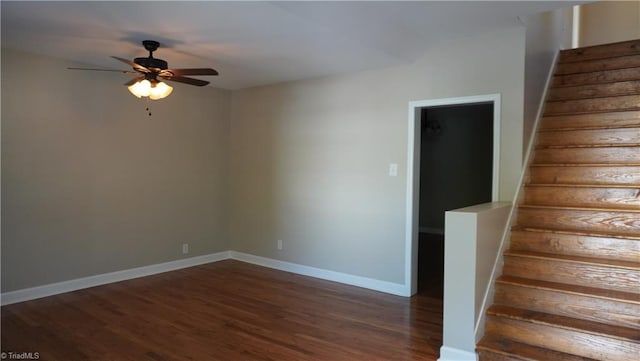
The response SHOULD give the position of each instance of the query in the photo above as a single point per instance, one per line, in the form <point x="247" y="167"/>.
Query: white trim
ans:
<point x="370" y="283"/>
<point x="26" y="294"/>
<point x="413" y="192"/>
<point x="413" y="162"/>
<point x="575" y="27"/>
<point x="454" y="354"/>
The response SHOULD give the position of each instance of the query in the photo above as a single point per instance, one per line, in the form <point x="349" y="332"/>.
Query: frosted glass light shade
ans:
<point x="145" y="88"/>
<point x="161" y="90"/>
<point x="141" y="88"/>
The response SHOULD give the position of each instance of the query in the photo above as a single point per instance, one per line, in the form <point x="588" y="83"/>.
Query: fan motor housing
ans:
<point x="151" y="63"/>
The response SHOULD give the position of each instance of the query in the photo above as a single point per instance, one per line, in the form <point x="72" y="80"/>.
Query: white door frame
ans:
<point x="413" y="174"/>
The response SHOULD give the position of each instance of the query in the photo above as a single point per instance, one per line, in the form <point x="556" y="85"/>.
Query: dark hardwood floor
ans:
<point x="227" y="310"/>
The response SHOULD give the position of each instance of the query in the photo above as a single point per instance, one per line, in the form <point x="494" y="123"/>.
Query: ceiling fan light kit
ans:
<point x="150" y="70"/>
<point x="155" y="91"/>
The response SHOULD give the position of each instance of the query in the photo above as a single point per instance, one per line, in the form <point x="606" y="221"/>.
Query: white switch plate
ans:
<point x="185" y="248"/>
<point x="393" y="169"/>
<point x="280" y="244"/>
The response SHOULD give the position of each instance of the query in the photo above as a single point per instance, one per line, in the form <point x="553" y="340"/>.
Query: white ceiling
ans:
<point x="254" y="43"/>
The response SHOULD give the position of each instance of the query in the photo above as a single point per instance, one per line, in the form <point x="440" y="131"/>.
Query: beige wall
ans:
<point x="309" y="159"/>
<point x="609" y="22"/>
<point x="91" y="184"/>
<point x="547" y="33"/>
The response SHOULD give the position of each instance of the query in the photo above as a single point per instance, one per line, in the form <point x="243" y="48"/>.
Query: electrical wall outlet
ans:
<point x="280" y="244"/>
<point x="185" y="248"/>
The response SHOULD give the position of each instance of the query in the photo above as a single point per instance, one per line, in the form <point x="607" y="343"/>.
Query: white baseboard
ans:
<point x="454" y="354"/>
<point x="51" y="289"/>
<point x="26" y="294"/>
<point x="364" y="282"/>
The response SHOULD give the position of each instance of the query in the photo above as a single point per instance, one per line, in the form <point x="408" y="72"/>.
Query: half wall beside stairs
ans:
<point x="472" y="239"/>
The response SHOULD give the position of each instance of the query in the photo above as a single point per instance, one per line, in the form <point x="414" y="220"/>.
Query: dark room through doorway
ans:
<point x="456" y="171"/>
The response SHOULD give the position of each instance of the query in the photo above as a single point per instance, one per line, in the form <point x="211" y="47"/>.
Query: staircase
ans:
<point x="570" y="288"/>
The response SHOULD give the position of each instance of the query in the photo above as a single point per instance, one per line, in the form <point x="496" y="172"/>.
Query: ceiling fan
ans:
<point x="151" y="71"/>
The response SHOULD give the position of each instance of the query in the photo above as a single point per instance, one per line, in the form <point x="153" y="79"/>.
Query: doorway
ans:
<point x="453" y="164"/>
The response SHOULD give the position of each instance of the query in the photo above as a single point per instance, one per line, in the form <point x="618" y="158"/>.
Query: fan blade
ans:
<point x="135" y="66"/>
<point x="98" y="69"/>
<point x="182" y="79"/>
<point x="190" y="71"/>
<point x="133" y="81"/>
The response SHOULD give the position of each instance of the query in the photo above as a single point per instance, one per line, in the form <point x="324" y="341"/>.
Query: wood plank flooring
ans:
<point x="227" y="310"/>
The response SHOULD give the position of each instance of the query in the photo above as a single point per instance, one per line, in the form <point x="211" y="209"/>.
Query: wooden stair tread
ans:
<point x="574" y="232"/>
<point x="605" y="175"/>
<point x="575" y="259"/>
<point x="622" y="154"/>
<point x="620" y="136"/>
<point x="626" y="134"/>
<point x="582" y="138"/>
<point x="572" y="289"/>
<point x="588" y="66"/>
<point x="524" y="352"/>
<point x="569" y="208"/>
<point x="601" y="145"/>
<point x="571" y="243"/>
<point x="594" y="78"/>
<point x="586" y="301"/>
<point x="594" y="91"/>
<point x="618" y="198"/>
<point x="583" y="326"/>
<point x="571" y="185"/>
<point x="604" y="51"/>
<point x="585" y="164"/>
<point x="600" y="119"/>
<point x="599" y="127"/>
<point x="594" y="105"/>
<point x="620" y="128"/>
<point x="592" y="128"/>
<point x="587" y="218"/>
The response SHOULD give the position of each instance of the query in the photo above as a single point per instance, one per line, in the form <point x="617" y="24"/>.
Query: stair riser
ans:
<point x="611" y="312"/>
<point x="600" y="52"/>
<point x="569" y="341"/>
<point x="587" y="66"/>
<point x="612" y="119"/>
<point x="598" y="77"/>
<point x="595" y="91"/>
<point x="615" y="155"/>
<point x="613" y="198"/>
<point x="585" y="175"/>
<point x="620" y="223"/>
<point x="588" y="275"/>
<point x="492" y="349"/>
<point x="576" y="245"/>
<point x="627" y="102"/>
<point x="492" y="356"/>
<point x="628" y="136"/>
